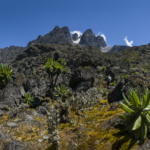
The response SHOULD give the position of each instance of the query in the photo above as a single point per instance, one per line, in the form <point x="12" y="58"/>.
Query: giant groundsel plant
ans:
<point x="5" y="73"/>
<point x="138" y="118"/>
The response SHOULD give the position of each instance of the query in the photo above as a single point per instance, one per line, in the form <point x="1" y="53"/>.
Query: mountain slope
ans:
<point x="7" y="54"/>
<point x="56" y="36"/>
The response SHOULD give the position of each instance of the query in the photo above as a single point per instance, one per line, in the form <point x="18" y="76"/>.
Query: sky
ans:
<point x="119" y="22"/>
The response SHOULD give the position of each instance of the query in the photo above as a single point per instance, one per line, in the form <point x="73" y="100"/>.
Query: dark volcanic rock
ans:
<point x="75" y="37"/>
<point x="57" y="36"/>
<point x="124" y="86"/>
<point x="11" y="95"/>
<point x="82" y="79"/>
<point x="89" y="39"/>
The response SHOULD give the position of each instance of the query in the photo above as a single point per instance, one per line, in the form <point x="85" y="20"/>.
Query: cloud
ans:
<point x="78" y="32"/>
<point x="98" y="33"/>
<point x="104" y="37"/>
<point x="127" y="42"/>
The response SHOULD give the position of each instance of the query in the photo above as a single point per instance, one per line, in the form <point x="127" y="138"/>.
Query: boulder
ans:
<point x="82" y="79"/>
<point x="11" y="95"/>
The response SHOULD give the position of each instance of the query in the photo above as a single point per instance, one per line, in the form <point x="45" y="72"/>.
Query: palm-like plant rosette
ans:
<point x="5" y="73"/>
<point x="28" y="99"/>
<point x="53" y="65"/>
<point x="61" y="91"/>
<point x="138" y="118"/>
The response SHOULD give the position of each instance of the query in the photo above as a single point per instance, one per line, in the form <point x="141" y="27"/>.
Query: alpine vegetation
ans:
<point x="138" y="118"/>
<point x="5" y="73"/>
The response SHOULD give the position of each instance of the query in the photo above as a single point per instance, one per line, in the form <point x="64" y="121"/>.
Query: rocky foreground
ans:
<point x="89" y="117"/>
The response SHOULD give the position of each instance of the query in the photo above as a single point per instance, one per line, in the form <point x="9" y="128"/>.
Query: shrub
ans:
<point x="128" y="60"/>
<point x="98" y="89"/>
<point x="61" y="91"/>
<point x="113" y="83"/>
<point x="136" y="73"/>
<point x="134" y="65"/>
<point x="5" y="73"/>
<point x="61" y="61"/>
<point x="137" y="119"/>
<point x="105" y="92"/>
<point x="144" y="69"/>
<point x="124" y="76"/>
<point x="103" y="67"/>
<point x="28" y="99"/>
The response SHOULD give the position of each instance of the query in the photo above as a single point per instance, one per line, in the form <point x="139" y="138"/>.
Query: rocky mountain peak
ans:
<point x="89" y="39"/>
<point x="56" y="36"/>
<point x="75" y="37"/>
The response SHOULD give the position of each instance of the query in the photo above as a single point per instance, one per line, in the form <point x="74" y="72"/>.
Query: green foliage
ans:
<point x="144" y="69"/>
<point x="105" y="92"/>
<point x="61" y="61"/>
<point x="98" y="89"/>
<point x="124" y="76"/>
<point x="136" y="73"/>
<point x="138" y="118"/>
<point x="52" y="65"/>
<point x="103" y="67"/>
<point x="5" y="73"/>
<point x="134" y="65"/>
<point x="113" y="83"/>
<point x="28" y="99"/>
<point x="61" y="91"/>
<point x="128" y="60"/>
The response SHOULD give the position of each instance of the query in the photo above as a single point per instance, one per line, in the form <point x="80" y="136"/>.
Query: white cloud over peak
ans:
<point x="78" y="32"/>
<point x="98" y="33"/>
<point x="104" y="37"/>
<point x="127" y="42"/>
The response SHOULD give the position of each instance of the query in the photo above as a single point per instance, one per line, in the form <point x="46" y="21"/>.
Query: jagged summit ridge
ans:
<point x="56" y="36"/>
<point x="89" y="39"/>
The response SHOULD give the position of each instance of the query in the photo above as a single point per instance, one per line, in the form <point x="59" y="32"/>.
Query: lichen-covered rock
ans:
<point x="11" y="96"/>
<point x="11" y="124"/>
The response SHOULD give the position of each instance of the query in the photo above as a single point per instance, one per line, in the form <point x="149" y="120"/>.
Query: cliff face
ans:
<point x="89" y="39"/>
<point x="57" y="36"/>
<point x="7" y="54"/>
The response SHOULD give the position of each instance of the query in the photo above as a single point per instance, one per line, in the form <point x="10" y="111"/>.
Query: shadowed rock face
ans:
<point x="89" y="39"/>
<point x="57" y="36"/>
<point x="117" y="48"/>
<point x="7" y="54"/>
<point x="75" y="37"/>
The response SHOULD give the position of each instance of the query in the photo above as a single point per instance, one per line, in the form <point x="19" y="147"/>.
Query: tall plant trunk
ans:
<point x="51" y="84"/>
<point x="56" y="78"/>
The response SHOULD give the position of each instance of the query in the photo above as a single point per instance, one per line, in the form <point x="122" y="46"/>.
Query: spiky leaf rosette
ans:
<point x="61" y="91"/>
<point x="28" y="99"/>
<point x="5" y="73"/>
<point x="138" y="118"/>
<point x="52" y="65"/>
